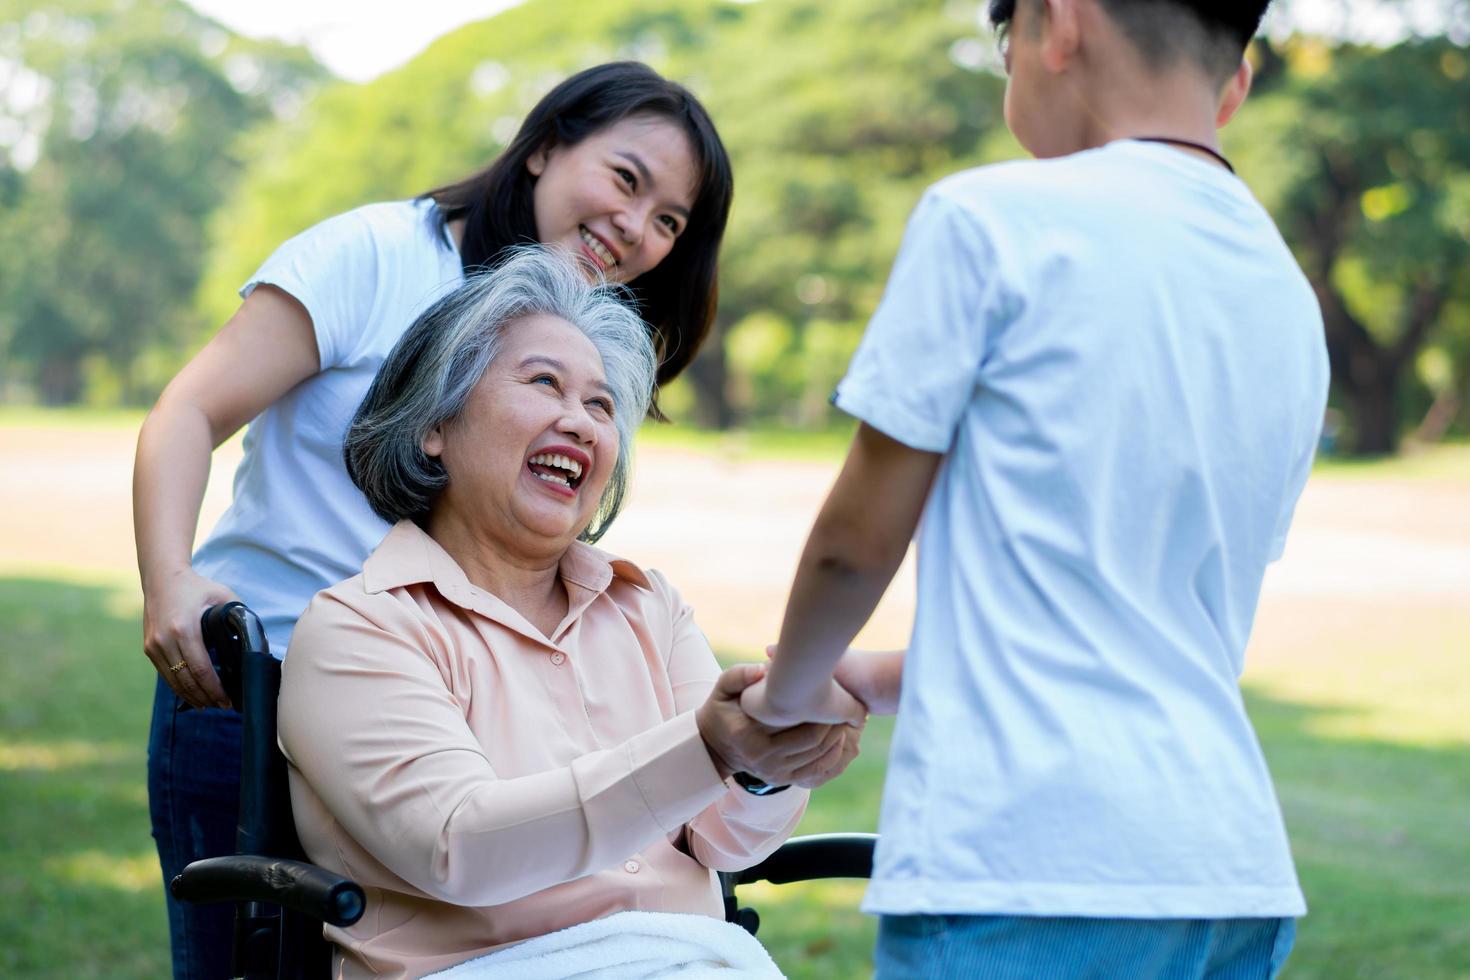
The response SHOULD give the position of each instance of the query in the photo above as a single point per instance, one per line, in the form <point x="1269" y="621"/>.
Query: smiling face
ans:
<point x="619" y="198"/>
<point x="530" y="455"/>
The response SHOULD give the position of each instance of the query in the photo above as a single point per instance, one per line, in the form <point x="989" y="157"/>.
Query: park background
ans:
<point x="151" y="156"/>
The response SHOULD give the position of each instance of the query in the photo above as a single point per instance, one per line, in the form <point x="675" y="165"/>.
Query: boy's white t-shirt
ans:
<point x="1127" y="373"/>
<point x="297" y="524"/>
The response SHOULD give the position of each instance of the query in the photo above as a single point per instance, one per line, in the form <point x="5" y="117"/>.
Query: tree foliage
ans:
<point x="117" y="145"/>
<point x="836" y="115"/>
<point x="1363" y="156"/>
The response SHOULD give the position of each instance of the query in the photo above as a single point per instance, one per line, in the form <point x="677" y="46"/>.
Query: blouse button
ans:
<point x="558" y="658"/>
<point x="631" y="867"/>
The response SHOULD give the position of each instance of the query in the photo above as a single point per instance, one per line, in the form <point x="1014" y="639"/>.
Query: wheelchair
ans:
<point x="282" y="900"/>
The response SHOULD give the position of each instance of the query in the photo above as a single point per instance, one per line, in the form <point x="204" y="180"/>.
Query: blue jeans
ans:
<point x="1003" y="947"/>
<point x="193" y="798"/>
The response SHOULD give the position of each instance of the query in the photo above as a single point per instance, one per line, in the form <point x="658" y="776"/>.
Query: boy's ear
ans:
<point x="1059" y="32"/>
<point x="1235" y="92"/>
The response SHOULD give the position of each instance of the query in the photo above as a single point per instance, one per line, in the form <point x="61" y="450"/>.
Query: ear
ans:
<point x="1060" y="34"/>
<point x="1235" y="92"/>
<point x="433" y="442"/>
<point x="536" y="162"/>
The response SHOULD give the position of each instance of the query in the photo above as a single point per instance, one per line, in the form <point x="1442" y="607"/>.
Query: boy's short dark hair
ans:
<point x="1212" y="33"/>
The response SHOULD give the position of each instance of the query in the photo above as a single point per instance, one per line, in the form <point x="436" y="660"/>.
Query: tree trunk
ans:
<point x="1441" y="415"/>
<point x="708" y="375"/>
<point x="60" y="380"/>
<point x="1373" y="407"/>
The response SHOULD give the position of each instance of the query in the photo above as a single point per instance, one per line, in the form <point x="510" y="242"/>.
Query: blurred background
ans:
<point x="153" y="152"/>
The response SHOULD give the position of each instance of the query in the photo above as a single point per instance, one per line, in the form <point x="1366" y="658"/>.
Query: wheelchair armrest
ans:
<point x="816" y="856"/>
<point x="295" y="885"/>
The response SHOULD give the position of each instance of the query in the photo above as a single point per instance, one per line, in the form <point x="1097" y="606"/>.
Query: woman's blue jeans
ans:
<point x="193" y="797"/>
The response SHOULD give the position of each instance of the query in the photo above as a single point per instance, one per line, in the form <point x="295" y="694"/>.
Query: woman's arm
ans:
<point x="265" y="350"/>
<point x="740" y="829"/>
<point x="367" y="719"/>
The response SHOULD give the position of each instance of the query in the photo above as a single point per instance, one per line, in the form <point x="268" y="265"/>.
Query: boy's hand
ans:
<point x="837" y="707"/>
<point x="872" y="677"/>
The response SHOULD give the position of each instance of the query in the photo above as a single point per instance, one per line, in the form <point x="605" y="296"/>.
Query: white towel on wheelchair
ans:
<point x="625" y="946"/>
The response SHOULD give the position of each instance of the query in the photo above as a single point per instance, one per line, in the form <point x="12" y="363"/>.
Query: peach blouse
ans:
<point x="485" y="783"/>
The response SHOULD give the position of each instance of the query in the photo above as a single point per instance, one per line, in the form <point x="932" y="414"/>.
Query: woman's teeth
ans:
<point x="598" y="249"/>
<point x="571" y="469"/>
<point x="559" y="461"/>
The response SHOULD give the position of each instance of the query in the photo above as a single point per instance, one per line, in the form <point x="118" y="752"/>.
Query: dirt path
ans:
<point x="728" y="532"/>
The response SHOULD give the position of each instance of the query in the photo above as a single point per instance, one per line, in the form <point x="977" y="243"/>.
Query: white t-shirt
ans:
<point x="1127" y="373"/>
<point x="297" y="524"/>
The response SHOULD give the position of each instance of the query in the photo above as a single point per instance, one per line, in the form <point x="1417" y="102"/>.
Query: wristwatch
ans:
<point x="756" y="787"/>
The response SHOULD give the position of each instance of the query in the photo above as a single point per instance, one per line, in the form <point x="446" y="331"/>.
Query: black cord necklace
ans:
<point x="1189" y="143"/>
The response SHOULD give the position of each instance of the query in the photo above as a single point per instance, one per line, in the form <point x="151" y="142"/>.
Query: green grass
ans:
<point x="1442" y="461"/>
<point x="36" y="417"/>
<point x="80" y="890"/>
<point x="1439" y="461"/>
<point x="1374" y="777"/>
<point x="826" y="445"/>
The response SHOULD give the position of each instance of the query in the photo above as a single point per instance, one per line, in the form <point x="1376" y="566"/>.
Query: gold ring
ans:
<point x="178" y="666"/>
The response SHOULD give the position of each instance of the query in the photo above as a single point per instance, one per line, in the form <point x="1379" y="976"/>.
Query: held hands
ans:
<point x="875" y="678"/>
<point x="836" y="707"/>
<point x="807" y="755"/>
<point x="172" y="638"/>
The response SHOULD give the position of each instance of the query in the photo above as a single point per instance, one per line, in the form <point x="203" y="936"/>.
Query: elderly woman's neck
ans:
<point x="520" y="574"/>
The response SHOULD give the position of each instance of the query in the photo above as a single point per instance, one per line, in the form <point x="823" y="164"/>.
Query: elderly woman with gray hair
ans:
<point x="497" y="729"/>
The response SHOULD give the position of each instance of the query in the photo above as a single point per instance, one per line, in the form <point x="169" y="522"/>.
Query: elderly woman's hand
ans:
<point x="806" y="754"/>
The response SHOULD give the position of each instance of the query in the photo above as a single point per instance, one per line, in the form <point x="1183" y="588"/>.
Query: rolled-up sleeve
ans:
<point x="738" y="829"/>
<point x="369" y="720"/>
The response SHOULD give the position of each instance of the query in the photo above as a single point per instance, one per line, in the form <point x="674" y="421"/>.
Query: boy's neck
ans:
<point x="1112" y="91"/>
<point x="1178" y="104"/>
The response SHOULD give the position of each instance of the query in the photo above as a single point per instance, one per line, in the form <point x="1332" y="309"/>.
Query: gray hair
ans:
<point x="428" y="376"/>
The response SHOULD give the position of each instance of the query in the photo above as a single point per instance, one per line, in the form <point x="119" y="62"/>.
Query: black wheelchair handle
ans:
<point x="295" y="885"/>
<point x="815" y="856"/>
<point x="230" y="631"/>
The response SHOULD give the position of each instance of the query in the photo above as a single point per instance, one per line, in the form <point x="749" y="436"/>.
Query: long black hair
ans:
<point x="676" y="298"/>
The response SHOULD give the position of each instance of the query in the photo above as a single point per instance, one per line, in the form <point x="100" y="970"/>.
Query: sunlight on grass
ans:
<point x="123" y="585"/>
<point x="837" y="893"/>
<point x="826" y="446"/>
<point x="132" y="873"/>
<point x="1437" y="461"/>
<point x="1392" y="679"/>
<point x="34" y="416"/>
<point x="1434" y="727"/>
<point x="54" y="756"/>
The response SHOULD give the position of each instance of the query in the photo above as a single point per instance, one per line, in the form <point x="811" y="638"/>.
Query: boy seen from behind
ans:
<point x="1099" y="377"/>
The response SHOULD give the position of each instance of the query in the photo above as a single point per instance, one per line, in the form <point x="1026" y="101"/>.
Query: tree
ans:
<point x="832" y="146"/>
<point x="839" y="115"/>
<point x="1363" y="156"/>
<point x="117" y="157"/>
